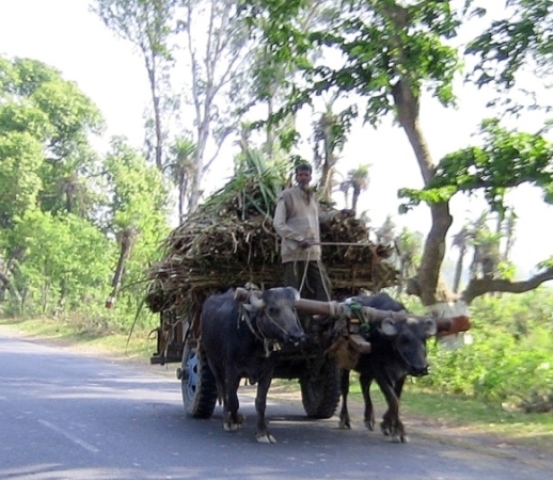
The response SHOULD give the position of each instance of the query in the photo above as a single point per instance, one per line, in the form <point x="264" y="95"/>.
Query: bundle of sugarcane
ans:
<point x="230" y="241"/>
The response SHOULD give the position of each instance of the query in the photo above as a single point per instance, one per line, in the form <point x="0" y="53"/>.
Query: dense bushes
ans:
<point x="511" y="358"/>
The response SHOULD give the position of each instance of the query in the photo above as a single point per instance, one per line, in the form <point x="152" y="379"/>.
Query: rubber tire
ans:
<point x="199" y="390"/>
<point x="320" y="393"/>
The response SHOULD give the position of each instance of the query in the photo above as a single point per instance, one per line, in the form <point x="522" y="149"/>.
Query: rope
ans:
<point x="343" y="244"/>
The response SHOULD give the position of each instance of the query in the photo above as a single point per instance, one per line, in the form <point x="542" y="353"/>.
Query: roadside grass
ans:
<point x="469" y="416"/>
<point x="473" y="417"/>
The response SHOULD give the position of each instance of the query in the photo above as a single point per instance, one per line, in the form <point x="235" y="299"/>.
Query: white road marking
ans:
<point x="73" y="438"/>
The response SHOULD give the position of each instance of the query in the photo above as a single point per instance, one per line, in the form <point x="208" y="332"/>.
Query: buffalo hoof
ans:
<point x="344" y="424"/>
<point x="385" y="429"/>
<point x="369" y="424"/>
<point x="400" y="438"/>
<point x="231" y="427"/>
<point x="265" y="438"/>
<point x="231" y="423"/>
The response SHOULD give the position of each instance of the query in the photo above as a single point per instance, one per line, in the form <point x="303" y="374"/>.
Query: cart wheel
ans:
<point x="320" y="391"/>
<point x="199" y="390"/>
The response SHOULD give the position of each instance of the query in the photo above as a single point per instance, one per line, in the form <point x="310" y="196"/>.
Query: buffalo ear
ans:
<point x="388" y="327"/>
<point x="430" y="327"/>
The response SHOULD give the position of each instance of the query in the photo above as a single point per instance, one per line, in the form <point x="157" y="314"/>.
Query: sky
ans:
<point x="68" y="36"/>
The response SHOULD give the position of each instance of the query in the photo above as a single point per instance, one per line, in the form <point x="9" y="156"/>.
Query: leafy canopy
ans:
<point x="506" y="159"/>
<point x="364" y="47"/>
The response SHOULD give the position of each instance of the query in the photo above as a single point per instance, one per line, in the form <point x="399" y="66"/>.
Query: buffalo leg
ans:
<point x="368" y="417"/>
<point x="398" y="387"/>
<point x="232" y="419"/>
<point x="262" y="434"/>
<point x="344" y="387"/>
<point x="391" y="424"/>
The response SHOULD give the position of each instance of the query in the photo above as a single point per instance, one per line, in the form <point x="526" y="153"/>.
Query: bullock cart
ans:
<point x="228" y="242"/>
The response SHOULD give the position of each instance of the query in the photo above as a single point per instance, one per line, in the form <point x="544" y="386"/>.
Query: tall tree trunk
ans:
<point x="150" y="66"/>
<point x="270" y="145"/>
<point x="126" y="241"/>
<point x="427" y="284"/>
<point x="183" y="191"/>
<point x="459" y="269"/>
<point x="355" y="198"/>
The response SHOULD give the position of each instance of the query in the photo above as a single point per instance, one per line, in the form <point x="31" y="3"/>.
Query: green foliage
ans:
<point x="505" y="160"/>
<point x="380" y="43"/>
<point x="60" y="218"/>
<point x="20" y="184"/>
<point x="45" y="122"/>
<point x="136" y="196"/>
<point x="254" y="187"/>
<point x="512" y="353"/>
<point x="136" y="203"/>
<point x="61" y="253"/>
<point x="522" y="38"/>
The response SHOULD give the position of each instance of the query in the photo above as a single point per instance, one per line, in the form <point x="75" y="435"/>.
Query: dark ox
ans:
<point x="238" y="338"/>
<point x="398" y="349"/>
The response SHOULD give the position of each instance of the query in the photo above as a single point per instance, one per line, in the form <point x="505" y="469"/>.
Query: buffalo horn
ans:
<point x="430" y="326"/>
<point x="256" y="300"/>
<point x="241" y="294"/>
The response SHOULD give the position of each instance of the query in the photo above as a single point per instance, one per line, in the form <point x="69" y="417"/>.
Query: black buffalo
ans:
<point x="238" y="339"/>
<point x="398" y="349"/>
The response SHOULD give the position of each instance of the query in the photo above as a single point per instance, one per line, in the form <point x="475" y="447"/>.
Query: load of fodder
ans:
<point x="230" y="241"/>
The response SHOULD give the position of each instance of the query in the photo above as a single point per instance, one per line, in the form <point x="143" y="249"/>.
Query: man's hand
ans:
<point x="306" y="243"/>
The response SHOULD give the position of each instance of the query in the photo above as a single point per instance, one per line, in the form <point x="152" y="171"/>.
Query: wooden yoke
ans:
<point x="445" y="325"/>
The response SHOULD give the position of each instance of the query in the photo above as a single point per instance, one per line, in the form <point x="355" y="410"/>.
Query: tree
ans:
<point x="149" y="25"/>
<point x="45" y="161"/>
<point x="136" y="207"/>
<point x="49" y="118"/>
<point x="182" y="170"/>
<point x="65" y="261"/>
<point x="409" y="248"/>
<point x="461" y="241"/>
<point x="358" y="181"/>
<point x="505" y="160"/>
<point x="521" y="39"/>
<point x="329" y="136"/>
<point x="218" y="67"/>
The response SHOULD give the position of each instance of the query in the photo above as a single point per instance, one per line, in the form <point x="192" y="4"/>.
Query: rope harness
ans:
<point x="270" y="344"/>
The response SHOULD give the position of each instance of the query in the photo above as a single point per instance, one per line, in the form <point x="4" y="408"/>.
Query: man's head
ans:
<point x="303" y="174"/>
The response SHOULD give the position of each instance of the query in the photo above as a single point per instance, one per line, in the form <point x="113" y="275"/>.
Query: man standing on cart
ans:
<point x="296" y="221"/>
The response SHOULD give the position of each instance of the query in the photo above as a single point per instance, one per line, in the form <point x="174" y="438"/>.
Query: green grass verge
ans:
<point x="475" y="418"/>
<point x="471" y="416"/>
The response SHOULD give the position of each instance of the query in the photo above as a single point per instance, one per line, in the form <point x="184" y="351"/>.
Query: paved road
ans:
<point x="69" y="416"/>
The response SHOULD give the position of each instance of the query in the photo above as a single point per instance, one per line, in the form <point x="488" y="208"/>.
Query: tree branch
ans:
<point x="480" y="286"/>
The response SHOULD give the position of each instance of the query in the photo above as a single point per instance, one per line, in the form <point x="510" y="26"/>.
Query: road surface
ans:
<point x="65" y="415"/>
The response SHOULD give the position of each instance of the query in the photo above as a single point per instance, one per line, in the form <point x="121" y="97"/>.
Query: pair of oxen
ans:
<point x="241" y="328"/>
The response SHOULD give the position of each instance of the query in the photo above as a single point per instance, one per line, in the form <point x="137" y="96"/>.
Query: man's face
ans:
<point x="303" y="177"/>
